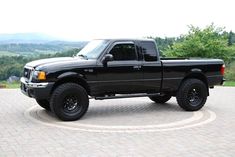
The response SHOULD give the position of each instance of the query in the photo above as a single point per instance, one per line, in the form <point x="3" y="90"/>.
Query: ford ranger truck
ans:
<point x="118" y="68"/>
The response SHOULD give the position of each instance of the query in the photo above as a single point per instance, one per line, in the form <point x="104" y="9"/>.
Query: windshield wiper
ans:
<point x="83" y="56"/>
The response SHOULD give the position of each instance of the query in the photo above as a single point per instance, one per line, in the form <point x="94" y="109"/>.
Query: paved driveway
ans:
<point x="122" y="127"/>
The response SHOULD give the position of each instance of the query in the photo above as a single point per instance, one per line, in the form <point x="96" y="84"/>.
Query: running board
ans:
<point x="126" y="96"/>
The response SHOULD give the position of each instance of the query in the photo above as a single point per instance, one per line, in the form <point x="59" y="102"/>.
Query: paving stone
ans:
<point x="20" y="136"/>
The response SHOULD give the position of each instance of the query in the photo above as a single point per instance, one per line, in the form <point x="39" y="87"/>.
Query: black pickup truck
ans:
<point x="109" y="69"/>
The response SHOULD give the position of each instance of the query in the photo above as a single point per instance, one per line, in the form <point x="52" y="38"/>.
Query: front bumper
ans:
<point x="36" y="90"/>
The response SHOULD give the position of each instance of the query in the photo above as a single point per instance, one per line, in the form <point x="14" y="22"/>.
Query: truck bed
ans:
<point x="177" y="69"/>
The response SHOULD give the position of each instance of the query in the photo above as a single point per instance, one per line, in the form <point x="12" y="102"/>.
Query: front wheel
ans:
<point x="192" y="95"/>
<point x="69" y="101"/>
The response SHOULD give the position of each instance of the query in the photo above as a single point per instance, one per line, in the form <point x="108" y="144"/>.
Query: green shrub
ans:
<point x="230" y="72"/>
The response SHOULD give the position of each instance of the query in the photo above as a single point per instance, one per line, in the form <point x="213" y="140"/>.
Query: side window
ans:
<point x="124" y="52"/>
<point x="149" y="51"/>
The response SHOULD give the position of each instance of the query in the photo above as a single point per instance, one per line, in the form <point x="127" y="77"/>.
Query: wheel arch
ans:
<point x="71" y="77"/>
<point x="196" y="75"/>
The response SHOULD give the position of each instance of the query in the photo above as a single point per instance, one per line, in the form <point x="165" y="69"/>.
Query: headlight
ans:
<point x="39" y="75"/>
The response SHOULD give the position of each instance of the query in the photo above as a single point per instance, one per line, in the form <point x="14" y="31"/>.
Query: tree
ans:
<point x="164" y="43"/>
<point x="231" y="38"/>
<point x="210" y="42"/>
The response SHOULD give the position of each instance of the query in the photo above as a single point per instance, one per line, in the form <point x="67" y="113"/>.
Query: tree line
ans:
<point x="34" y="48"/>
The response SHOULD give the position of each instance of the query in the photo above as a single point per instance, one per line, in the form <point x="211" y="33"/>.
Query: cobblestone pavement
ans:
<point x="122" y="127"/>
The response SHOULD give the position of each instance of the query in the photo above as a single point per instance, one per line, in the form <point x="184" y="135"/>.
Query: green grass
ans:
<point x="10" y="85"/>
<point x="229" y="83"/>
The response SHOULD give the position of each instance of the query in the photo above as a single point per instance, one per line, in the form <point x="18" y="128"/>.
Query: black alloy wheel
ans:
<point x="69" y="101"/>
<point x="192" y="95"/>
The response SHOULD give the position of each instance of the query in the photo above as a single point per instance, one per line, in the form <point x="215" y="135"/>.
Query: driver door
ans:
<point x="123" y="74"/>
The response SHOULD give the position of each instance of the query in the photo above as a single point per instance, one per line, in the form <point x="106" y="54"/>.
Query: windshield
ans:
<point x="93" y="49"/>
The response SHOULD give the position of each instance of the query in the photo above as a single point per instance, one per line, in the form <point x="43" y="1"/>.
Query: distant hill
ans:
<point x="25" y="38"/>
<point x="31" y="43"/>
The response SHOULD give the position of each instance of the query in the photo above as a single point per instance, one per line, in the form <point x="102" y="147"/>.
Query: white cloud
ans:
<point x="86" y="19"/>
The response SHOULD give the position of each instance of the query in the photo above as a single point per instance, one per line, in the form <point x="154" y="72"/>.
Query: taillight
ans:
<point x="222" y="69"/>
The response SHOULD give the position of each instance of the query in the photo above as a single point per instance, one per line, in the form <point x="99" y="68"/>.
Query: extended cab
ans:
<point x="108" y="69"/>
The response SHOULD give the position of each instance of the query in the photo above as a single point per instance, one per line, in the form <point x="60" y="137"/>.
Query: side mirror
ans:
<point x="107" y="58"/>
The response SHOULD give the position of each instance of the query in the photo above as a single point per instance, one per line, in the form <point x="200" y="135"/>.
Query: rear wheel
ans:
<point x="69" y="101"/>
<point x="161" y="99"/>
<point x="44" y="104"/>
<point x="192" y="95"/>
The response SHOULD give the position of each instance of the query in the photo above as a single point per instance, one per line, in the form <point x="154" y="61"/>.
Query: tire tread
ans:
<point x="182" y="94"/>
<point x="59" y="90"/>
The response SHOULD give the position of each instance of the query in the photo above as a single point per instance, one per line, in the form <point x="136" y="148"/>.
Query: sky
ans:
<point x="92" y="19"/>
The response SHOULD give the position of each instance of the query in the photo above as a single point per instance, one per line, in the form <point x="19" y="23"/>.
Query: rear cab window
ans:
<point x="149" y="51"/>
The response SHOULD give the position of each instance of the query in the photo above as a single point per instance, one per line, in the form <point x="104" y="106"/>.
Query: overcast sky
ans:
<point x="89" y="19"/>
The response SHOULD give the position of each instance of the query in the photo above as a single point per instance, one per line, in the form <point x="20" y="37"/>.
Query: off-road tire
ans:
<point x="192" y="95"/>
<point x="69" y="101"/>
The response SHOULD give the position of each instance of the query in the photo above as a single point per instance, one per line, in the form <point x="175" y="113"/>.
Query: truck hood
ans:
<point x="40" y="62"/>
<point x="59" y="63"/>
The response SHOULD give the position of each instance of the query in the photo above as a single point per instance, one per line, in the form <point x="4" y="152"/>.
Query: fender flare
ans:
<point x="70" y="74"/>
<point x="72" y="77"/>
<point x="197" y="74"/>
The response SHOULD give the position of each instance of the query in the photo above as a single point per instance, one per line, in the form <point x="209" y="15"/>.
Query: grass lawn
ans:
<point x="229" y="83"/>
<point x="4" y="84"/>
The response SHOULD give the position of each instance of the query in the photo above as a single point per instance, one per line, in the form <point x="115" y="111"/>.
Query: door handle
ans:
<point x="137" y="67"/>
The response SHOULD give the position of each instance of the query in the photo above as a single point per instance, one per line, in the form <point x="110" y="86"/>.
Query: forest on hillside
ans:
<point x="26" y="49"/>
